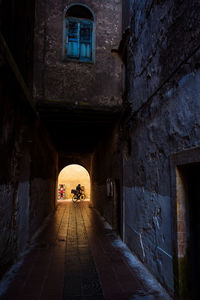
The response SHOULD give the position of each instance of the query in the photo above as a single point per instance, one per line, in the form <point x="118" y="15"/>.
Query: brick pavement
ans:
<point x="74" y="259"/>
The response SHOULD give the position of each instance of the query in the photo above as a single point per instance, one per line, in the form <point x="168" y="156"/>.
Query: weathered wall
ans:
<point x="28" y="171"/>
<point x="27" y="179"/>
<point x="163" y="90"/>
<point x="27" y="158"/>
<point x="106" y="163"/>
<point x="55" y="79"/>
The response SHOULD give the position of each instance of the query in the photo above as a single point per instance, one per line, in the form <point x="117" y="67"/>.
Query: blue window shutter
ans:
<point x="78" y="39"/>
<point x="72" y="39"/>
<point x="86" y="40"/>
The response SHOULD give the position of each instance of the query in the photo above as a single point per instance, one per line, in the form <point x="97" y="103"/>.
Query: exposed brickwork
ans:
<point x="55" y="79"/>
<point x="161" y="54"/>
<point x="181" y="216"/>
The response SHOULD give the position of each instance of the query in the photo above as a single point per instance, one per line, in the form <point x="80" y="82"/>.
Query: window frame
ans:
<point x="67" y="19"/>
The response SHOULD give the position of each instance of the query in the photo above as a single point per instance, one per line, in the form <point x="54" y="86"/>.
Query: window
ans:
<point x="79" y="34"/>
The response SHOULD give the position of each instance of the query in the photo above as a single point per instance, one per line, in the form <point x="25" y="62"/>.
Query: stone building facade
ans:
<point x="77" y="82"/>
<point x="152" y="155"/>
<point x="162" y="90"/>
<point x="144" y="165"/>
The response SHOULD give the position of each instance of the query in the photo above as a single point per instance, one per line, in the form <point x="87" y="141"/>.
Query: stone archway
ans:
<point x="69" y="177"/>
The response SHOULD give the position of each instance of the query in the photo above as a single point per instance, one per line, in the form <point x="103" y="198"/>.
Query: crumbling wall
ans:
<point x="77" y="82"/>
<point x="163" y="92"/>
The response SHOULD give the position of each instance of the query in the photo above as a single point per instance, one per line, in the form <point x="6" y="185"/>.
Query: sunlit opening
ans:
<point x="68" y="180"/>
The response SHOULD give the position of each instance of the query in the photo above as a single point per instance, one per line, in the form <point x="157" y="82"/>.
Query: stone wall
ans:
<point x="28" y="172"/>
<point x="106" y="165"/>
<point x="163" y="91"/>
<point x="78" y="82"/>
<point x="27" y="157"/>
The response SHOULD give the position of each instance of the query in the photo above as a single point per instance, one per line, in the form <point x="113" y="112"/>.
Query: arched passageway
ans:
<point x="68" y="179"/>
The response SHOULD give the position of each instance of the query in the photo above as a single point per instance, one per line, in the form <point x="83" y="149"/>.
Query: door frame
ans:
<point x="177" y="160"/>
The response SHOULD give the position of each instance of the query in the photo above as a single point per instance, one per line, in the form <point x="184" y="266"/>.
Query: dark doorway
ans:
<point x="189" y="230"/>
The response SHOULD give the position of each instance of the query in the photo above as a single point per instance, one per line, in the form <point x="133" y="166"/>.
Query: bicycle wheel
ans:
<point x="83" y="196"/>
<point x="74" y="198"/>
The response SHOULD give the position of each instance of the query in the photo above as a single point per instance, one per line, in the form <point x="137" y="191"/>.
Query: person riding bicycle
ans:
<point x="78" y="188"/>
<point x="78" y="193"/>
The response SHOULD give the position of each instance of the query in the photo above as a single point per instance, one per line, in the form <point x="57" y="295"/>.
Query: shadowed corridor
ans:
<point x="74" y="258"/>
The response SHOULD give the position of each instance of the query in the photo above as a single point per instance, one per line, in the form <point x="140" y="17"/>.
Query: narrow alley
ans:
<point x="112" y="86"/>
<point x="76" y="258"/>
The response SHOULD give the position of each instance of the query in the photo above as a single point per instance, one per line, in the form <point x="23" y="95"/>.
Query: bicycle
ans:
<point x="78" y="195"/>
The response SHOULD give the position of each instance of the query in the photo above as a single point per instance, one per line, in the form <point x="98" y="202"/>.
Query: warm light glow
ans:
<point x="71" y="176"/>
